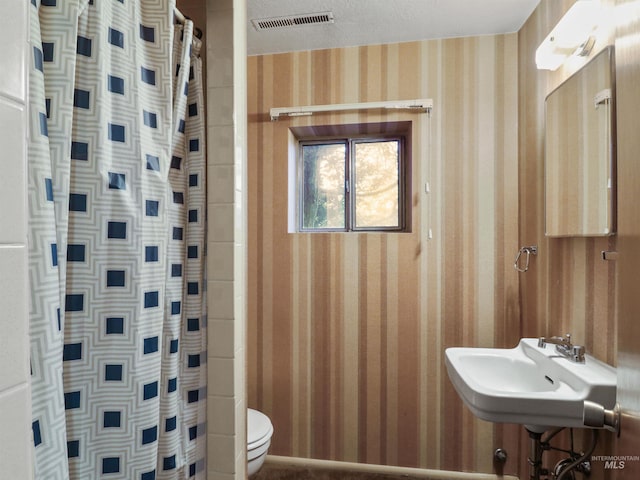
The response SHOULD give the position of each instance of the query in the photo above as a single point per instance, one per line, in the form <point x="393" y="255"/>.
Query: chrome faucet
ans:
<point x="564" y="347"/>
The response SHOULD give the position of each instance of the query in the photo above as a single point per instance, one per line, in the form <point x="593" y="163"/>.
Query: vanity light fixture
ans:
<point x="573" y="35"/>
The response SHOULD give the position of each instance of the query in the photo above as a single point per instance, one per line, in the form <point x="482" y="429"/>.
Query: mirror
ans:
<point x="580" y="152"/>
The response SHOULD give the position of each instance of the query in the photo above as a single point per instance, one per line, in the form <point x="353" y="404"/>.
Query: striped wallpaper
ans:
<point x="347" y="332"/>
<point x="627" y="81"/>
<point x="569" y="288"/>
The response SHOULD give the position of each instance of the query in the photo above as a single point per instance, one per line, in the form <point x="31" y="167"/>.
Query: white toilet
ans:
<point x="259" y="431"/>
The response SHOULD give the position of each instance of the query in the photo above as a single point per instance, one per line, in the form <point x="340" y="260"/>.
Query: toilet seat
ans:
<point x="259" y="429"/>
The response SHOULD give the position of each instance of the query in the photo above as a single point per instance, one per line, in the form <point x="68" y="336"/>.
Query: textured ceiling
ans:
<point x="372" y="22"/>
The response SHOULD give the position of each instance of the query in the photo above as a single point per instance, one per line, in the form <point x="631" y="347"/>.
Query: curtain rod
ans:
<point x="179" y="16"/>
<point x="423" y="105"/>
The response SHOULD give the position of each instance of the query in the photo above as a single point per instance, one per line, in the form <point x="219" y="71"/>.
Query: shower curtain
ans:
<point x="116" y="242"/>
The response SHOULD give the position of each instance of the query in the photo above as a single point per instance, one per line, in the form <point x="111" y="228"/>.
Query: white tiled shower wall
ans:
<point x="226" y="248"/>
<point x="15" y="403"/>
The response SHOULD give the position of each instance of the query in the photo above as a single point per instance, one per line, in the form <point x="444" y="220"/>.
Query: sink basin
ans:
<point x="530" y="385"/>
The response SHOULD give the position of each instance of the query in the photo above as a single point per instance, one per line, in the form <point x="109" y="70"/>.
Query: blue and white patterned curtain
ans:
<point x="117" y="237"/>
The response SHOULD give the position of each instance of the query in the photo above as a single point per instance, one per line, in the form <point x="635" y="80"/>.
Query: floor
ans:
<point x="279" y="472"/>
<point x="283" y="471"/>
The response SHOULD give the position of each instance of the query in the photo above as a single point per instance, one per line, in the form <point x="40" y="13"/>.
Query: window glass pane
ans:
<point x="323" y="180"/>
<point x="377" y="185"/>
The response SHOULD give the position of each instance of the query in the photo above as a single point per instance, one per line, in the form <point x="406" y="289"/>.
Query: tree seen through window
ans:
<point x="351" y="184"/>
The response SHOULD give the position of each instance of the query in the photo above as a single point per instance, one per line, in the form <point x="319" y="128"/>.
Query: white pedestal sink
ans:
<point x="529" y="385"/>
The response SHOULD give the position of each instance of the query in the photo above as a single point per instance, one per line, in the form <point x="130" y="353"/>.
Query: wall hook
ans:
<point x="530" y="250"/>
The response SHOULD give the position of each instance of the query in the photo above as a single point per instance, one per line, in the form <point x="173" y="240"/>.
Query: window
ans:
<point x="352" y="184"/>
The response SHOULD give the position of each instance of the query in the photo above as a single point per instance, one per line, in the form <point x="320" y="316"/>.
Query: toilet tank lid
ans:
<point x="258" y="427"/>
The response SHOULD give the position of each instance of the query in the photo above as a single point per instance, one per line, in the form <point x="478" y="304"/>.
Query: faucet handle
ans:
<point x="564" y="341"/>
<point x="577" y="352"/>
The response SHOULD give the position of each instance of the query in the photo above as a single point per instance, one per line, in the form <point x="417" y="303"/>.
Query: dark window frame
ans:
<point x="350" y="141"/>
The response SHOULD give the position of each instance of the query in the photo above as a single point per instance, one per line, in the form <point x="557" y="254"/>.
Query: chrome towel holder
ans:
<point x="528" y="251"/>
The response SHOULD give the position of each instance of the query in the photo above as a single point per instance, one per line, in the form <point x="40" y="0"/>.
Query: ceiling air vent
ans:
<point x="292" y="20"/>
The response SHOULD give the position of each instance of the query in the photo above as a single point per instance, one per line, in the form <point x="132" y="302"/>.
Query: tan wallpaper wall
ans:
<point x="628" y="301"/>
<point x="569" y="288"/>
<point x="347" y="332"/>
